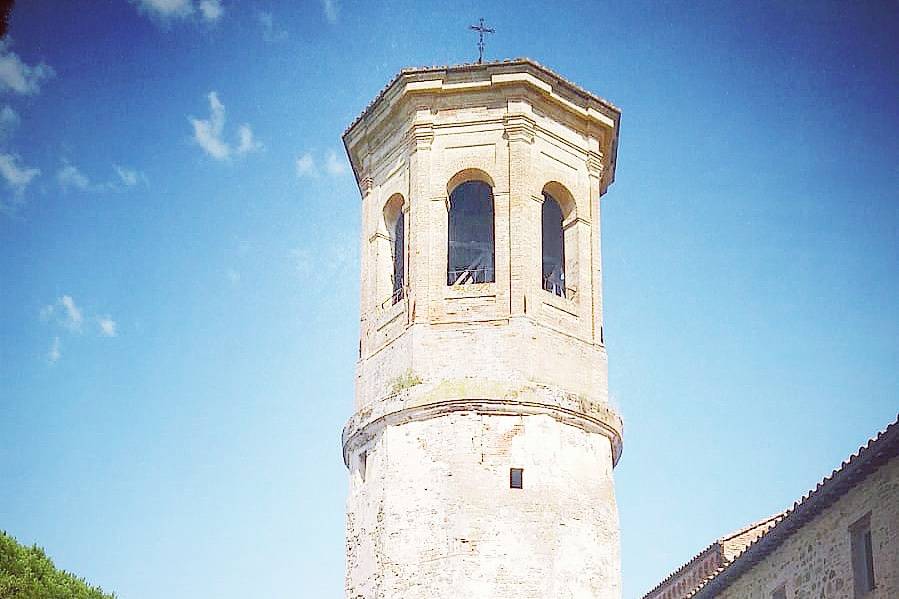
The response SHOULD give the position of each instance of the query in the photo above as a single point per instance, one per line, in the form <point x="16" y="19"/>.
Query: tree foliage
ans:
<point x="27" y="573"/>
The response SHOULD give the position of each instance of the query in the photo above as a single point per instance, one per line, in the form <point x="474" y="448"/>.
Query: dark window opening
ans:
<point x="780" y="592"/>
<point x="516" y="476"/>
<point x="399" y="257"/>
<point x="471" y="250"/>
<point x="553" y="247"/>
<point x="862" y="556"/>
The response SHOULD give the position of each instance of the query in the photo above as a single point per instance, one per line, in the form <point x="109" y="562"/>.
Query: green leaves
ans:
<point x="27" y="573"/>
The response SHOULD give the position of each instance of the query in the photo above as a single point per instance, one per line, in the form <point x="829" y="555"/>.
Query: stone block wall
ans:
<point x="431" y="513"/>
<point x="816" y="561"/>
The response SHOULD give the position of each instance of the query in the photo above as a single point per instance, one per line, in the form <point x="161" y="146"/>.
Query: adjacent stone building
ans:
<point x="841" y="541"/>
<point x="482" y="445"/>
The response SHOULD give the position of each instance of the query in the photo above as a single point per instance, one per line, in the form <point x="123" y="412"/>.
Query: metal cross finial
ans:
<point x="481" y="29"/>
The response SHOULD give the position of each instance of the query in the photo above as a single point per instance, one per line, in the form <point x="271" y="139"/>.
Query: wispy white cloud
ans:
<point x="165" y="9"/>
<point x="332" y="11"/>
<point x="47" y="311"/>
<point x="107" y="326"/>
<point x="333" y="165"/>
<point x="209" y="133"/>
<point x="211" y="10"/>
<point x="331" y="257"/>
<point x="70" y="317"/>
<point x="306" y="166"/>
<point x="271" y="32"/>
<point x="19" y="77"/>
<point x="55" y="352"/>
<point x="9" y="122"/>
<point x="129" y="176"/>
<point x="169" y="10"/>
<point x="70" y="178"/>
<point x="17" y="177"/>
<point x="246" y="142"/>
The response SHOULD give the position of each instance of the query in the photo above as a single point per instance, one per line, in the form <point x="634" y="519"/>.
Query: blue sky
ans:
<point x="178" y="275"/>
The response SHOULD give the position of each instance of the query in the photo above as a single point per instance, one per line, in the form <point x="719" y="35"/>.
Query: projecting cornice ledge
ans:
<point x="600" y="419"/>
<point x="597" y="113"/>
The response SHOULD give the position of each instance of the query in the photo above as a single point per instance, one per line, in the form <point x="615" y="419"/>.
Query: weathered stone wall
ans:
<point x="434" y="516"/>
<point x="816" y="561"/>
<point x="458" y="384"/>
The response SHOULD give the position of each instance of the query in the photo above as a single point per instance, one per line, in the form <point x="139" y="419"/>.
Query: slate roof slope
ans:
<point x="851" y="472"/>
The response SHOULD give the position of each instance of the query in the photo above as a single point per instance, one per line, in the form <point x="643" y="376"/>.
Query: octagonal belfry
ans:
<point x="482" y="445"/>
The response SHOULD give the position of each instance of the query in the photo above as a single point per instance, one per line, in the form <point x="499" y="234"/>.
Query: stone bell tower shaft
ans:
<point x="482" y="445"/>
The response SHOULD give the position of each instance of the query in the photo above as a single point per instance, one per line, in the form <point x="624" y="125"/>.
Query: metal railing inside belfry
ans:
<point x="396" y="297"/>
<point x="478" y="270"/>
<point x="470" y="248"/>
<point x="555" y="284"/>
<point x="470" y="275"/>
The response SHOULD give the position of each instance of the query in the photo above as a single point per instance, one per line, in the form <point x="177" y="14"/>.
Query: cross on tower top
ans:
<point x="481" y="28"/>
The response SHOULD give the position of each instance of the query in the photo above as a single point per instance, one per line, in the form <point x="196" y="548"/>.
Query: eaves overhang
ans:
<point x="851" y="472"/>
<point x="520" y="71"/>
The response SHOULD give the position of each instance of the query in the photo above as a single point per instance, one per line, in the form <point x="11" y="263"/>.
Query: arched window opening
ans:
<point x="553" y="247"/>
<point x="399" y="257"/>
<point x="470" y="256"/>
<point x="391" y="252"/>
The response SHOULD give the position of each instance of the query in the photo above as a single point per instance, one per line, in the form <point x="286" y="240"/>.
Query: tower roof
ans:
<point x="480" y="76"/>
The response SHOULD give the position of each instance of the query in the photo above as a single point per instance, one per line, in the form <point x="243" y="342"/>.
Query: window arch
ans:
<point x="395" y="223"/>
<point x="553" y="246"/>
<point x="471" y="251"/>
<point x="560" y="248"/>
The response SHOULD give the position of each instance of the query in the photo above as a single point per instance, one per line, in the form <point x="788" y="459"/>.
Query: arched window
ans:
<point x="471" y="249"/>
<point x="553" y="246"/>
<point x="398" y="247"/>
<point x="391" y="251"/>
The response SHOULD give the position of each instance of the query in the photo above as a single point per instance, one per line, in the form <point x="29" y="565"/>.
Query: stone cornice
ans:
<point x="368" y="422"/>
<point x="517" y="74"/>
<point x="594" y="164"/>
<point x="421" y="136"/>
<point x="519" y="127"/>
<point x="366" y="184"/>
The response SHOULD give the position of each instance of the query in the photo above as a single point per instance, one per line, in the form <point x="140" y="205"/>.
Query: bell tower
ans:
<point x="482" y="445"/>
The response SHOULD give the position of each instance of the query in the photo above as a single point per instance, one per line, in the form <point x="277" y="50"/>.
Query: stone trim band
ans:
<point x="359" y="430"/>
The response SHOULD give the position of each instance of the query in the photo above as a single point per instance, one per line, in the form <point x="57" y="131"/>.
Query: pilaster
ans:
<point x="595" y="172"/>
<point x="419" y="224"/>
<point x="524" y="213"/>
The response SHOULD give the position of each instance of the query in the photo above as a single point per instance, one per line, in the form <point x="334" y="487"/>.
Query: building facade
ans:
<point x="482" y="445"/>
<point x="841" y="541"/>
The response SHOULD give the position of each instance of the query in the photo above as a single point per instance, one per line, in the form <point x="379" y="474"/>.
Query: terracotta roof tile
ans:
<point x="866" y="460"/>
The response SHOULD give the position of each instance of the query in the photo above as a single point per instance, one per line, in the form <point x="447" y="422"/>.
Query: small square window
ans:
<point x="862" y="556"/>
<point x="516" y="478"/>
